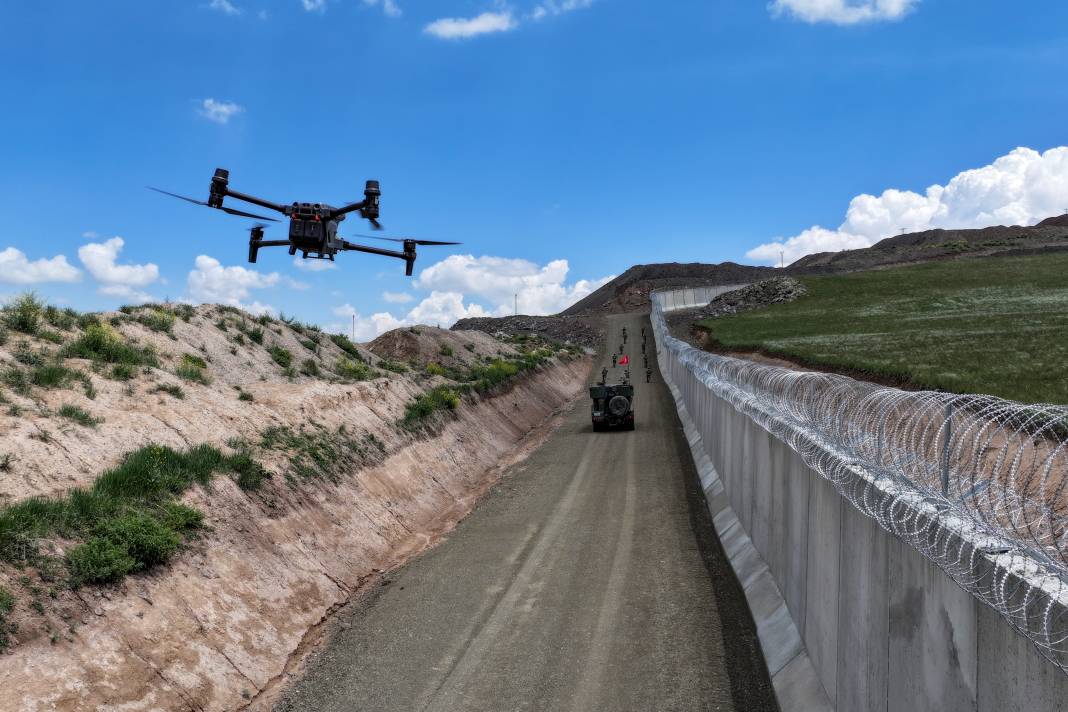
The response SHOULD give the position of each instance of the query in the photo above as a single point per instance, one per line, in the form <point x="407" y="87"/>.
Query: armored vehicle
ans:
<point x="612" y="407"/>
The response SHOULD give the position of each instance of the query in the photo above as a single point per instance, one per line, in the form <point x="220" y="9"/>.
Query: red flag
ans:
<point x="625" y="360"/>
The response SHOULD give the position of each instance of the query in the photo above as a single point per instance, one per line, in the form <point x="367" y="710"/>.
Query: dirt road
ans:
<point x="588" y="579"/>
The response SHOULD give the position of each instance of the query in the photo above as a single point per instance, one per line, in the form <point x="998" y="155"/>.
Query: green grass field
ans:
<point x="996" y="325"/>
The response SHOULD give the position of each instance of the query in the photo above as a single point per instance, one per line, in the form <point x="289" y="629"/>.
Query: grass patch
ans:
<point x="255" y="335"/>
<point x="994" y="325"/>
<point x="102" y="344"/>
<point x="157" y="319"/>
<point x="79" y="416"/>
<point x="7" y="604"/>
<point x="316" y="452"/>
<point x="171" y="389"/>
<point x="343" y="343"/>
<point x="123" y="372"/>
<point x="245" y="396"/>
<point x="193" y="368"/>
<point x="53" y="375"/>
<point x="446" y="350"/>
<point x="353" y="370"/>
<point x="441" y="398"/>
<point x="281" y="356"/>
<point x="24" y="313"/>
<point x="128" y="520"/>
<point x="394" y="366"/>
<point x="309" y="367"/>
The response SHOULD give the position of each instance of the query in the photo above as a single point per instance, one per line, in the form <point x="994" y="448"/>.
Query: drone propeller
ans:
<point x="408" y="239"/>
<point x="231" y="211"/>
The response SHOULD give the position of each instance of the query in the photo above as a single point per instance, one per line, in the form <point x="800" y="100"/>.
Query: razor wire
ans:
<point x="977" y="484"/>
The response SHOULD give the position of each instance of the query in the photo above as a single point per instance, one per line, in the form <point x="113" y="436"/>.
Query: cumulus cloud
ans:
<point x="123" y="281"/>
<point x="225" y="7"/>
<point x="389" y="7"/>
<point x="463" y="286"/>
<point x="843" y="12"/>
<point x="397" y="297"/>
<point x="541" y="290"/>
<point x="551" y="8"/>
<point x="16" y="268"/>
<point x="460" y="28"/>
<point x="219" y="111"/>
<point x="209" y="281"/>
<point x="313" y="265"/>
<point x="1020" y="188"/>
<point x="314" y="5"/>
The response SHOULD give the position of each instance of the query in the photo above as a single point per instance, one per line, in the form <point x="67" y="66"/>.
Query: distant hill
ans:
<point x="1050" y="234"/>
<point x="630" y="291"/>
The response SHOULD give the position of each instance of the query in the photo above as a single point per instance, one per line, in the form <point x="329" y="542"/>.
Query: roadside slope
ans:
<point x="353" y="486"/>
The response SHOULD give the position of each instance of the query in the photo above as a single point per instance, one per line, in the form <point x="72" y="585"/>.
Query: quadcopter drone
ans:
<point x="312" y="226"/>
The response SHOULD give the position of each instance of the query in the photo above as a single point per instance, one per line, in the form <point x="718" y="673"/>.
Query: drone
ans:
<point x="312" y="226"/>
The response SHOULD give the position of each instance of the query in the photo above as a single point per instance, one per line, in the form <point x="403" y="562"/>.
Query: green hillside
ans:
<point x="996" y="325"/>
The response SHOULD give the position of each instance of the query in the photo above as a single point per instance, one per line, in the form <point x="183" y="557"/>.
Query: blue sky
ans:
<point x="562" y="141"/>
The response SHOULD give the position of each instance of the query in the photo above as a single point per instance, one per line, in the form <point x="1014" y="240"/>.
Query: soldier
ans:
<point x="624" y="334"/>
<point x="604" y="375"/>
<point x="643" y="347"/>
<point x="613" y="360"/>
<point x="648" y="375"/>
<point x="621" y="349"/>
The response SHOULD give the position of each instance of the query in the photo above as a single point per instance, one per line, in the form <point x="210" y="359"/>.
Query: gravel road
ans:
<point x="589" y="579"/>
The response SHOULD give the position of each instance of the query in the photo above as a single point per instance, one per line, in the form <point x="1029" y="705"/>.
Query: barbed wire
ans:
<point x="977" y="484"/>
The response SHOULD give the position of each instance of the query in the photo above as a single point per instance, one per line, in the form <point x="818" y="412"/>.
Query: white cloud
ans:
<point x="15" y="268"/>
<point x="210" y="282"/>
<point x="843" y="12"/>
<point x="551" y="8"/>
<point x="313" y="265"/>
<point x="1020" y="188"/>
<point x="464" y="286"/>
<point x="219" y="111"/>
<point x="125" y="281"/>
<point x="541" y="290"/>
<point x="389" y="7"/>
<point x="314" y="5"/>
<point x="459" y="28"/>
<point x="366" y="328"/>
<point x="397" y="297"/>
<point x="225" y="7"/>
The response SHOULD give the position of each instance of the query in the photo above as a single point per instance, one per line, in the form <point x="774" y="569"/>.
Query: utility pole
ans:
<point x="353" y="328"/>
<point x="517" y="303"/>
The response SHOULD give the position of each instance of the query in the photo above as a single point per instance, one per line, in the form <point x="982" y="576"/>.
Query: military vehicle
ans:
<point x="613" y="406"/>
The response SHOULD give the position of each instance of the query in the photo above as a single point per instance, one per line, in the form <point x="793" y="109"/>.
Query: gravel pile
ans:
<point x="754" y="296"/>
<point x="562" y="329"/>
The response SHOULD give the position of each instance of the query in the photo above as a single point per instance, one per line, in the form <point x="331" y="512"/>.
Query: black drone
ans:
<point x="312" y="226"/>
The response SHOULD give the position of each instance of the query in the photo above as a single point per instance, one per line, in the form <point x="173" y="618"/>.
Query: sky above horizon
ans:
<point x="561" y="141"/>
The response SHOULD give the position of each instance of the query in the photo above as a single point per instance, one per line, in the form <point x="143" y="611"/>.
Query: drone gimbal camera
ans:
<point x="312" y="226"/>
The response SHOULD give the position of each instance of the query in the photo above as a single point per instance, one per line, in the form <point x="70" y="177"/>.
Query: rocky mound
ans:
<point x="422" y="345"/>
<point x="577" y="330"/>
<point x="754" y="296"/>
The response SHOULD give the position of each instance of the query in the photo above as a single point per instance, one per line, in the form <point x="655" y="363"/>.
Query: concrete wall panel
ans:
<point x="821" y="595"/>
<point x="863" y="617"/>
<point x="933" y="634"/>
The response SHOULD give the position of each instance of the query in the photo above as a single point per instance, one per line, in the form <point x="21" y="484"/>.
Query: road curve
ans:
<point x="589" y="579"/>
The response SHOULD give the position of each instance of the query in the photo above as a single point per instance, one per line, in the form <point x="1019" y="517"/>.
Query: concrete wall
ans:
<point x="841" y="605"/>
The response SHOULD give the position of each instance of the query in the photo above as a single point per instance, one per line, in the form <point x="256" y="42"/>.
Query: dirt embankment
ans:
<point x="221" y="625"/>
<point x="581" y="331"/>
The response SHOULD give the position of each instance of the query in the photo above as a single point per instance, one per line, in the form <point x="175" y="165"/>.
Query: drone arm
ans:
<point x="408" y="255"/>
<point x="255" y="201"/>
<point x="346" y="209"/>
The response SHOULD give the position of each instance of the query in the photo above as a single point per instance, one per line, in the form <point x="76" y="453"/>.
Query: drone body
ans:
<point x="312" y="226"/>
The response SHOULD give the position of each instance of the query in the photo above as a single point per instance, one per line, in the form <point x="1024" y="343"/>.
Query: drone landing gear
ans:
<point x="256" y="241"/>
